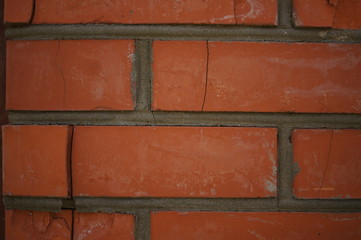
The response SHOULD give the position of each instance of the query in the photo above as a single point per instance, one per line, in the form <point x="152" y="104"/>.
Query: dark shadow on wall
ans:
<point x="3" y="114"/>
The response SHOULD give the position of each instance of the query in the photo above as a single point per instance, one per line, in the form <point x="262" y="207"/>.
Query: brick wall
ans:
<point x="191" y="119"/>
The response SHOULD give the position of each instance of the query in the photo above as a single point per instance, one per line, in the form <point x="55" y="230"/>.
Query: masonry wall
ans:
<point x="182" y="119"/>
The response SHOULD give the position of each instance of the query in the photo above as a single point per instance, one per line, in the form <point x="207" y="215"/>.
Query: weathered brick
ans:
<point x="174" y="162"/>
<point x="103" y="226"/>
<point x="35" y="160"/>
<point x="317" y="13"/>
<point x="136" y="11"/>
<point x="327" y="13"/>
<point x="260" y="77"/>
<point x="33" y="225"/>
<point x="18" y="11"/>
<point x="255" y="226"/>
<point x="69" y="75"/>
<point x="179" y="75"/>
<point x="256" y="12"/>
<point x="328" y="162"/>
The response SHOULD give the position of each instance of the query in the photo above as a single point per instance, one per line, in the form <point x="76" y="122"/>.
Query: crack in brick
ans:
<point x="206" y="84"/>
<point x="70" y="149"/>
<point x="234" y="11"/>
<point x="58" y="66"/>
<point x="333" y="3"/>
<point x="31" y="20"/>
<point x="327" y="164"/>
<point x="72" y="231"/>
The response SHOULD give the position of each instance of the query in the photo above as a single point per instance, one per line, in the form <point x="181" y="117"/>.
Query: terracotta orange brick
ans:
<point x="103" y="226"/>
<point x="328" y="162"/>
<point x="272" y="77"/>
<point x="179" y="75"/>
<point x="18" y="11"/>
<point x="316" y="13"/>
<point x="327" y="13"/>
<point x="256" y="12"/>
<point x="348" y="14"/>
<point x="136" y="11"/>
<point x="33" y="225"/>
<point x="69" y="75"/>
<point x="255" y="226"/>
<point x="35" y="160"/>
<point x="174" y="161"/>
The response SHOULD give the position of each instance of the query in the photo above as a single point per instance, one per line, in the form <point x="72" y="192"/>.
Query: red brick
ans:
<point x="316" y="13"/>
<point x="343" y="14"/>
<point x="136" y="11"/>
<point x="328" y="162"/>
<point x="103" y="226"/>
<point x="256" y="12"/>
<point x="179" y="76"/>
<point x="33" y="225"/>
<point x="18" y="11"/>
<point x="69" y="75"/>
<point x="348" y="14"/>
<point x="255" y="226"/>
<point x="35" y="160"/>
<point x="174" y="162"/>
<point x="253" y="12"/>
<point x="265" y="77"/>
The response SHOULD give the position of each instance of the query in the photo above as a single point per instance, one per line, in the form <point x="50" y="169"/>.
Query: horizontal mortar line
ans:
<point x="139" y="118"/>
<point x="328" y="205"/>
<point x="110" y="204"/>
<point x="50" y="204"/>
<point x="180" y="32"/>
<point x="118" y="204"/>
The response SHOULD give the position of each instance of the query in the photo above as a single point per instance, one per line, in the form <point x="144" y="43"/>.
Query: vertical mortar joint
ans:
<point x="142" y="225"/>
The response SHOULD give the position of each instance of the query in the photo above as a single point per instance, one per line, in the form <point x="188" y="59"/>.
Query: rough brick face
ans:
<point x="255" y="226"/>
<point x="18" y="11"/>
<point x="31" y="225"/>
<point x="103" y="226"/>
<point x="181" y="75"/>
<point x="174" y="162"/>
<point x="69" y="75"/>
<point x="259" y="77"/>
<point x="328" y="162"/>
<point x="327" y="13"/>
<point x="35" y="160"/>
<point x="255" y="12"/>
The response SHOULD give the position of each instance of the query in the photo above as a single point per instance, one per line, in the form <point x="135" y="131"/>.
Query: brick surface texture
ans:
<point x="214" y="226"/>
<point x="35" y="160"/>
<point x="335" y="155"/>
<point x="174" y="162"/>
<point x="181" y="119"/>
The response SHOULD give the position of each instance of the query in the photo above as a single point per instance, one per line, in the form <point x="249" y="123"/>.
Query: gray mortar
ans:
<point x="181" y="32"/>
<point x="46" y="204"/>
<point x="142" y="225"/>
<point x="285" y="13"/>
<point x="144" y="118"/>
<point x="113" y="204"/>
<point x="143" y="60"/>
